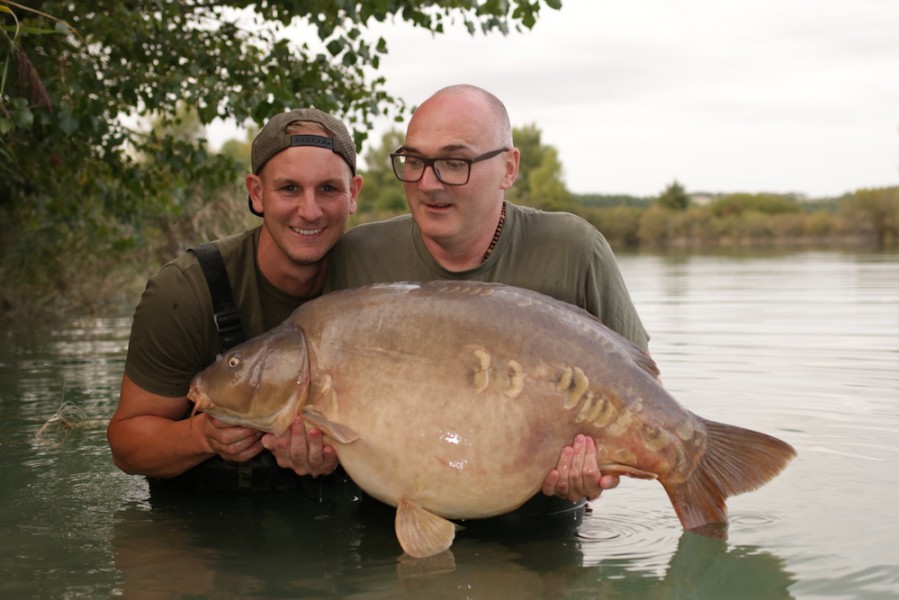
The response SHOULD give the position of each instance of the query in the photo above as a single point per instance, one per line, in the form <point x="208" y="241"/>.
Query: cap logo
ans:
<point x="319" y="141"/>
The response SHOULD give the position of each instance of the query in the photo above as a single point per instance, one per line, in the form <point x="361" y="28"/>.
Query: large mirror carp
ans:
<point x="453" y="400"/>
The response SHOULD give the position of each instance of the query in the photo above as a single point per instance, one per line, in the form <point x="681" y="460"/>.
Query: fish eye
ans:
<point x="233" y="362"/>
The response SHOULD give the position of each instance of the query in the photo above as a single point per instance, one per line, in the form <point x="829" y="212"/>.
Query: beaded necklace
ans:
<point x="499" y="230"/>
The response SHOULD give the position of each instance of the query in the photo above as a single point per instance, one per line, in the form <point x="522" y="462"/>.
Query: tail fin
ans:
<point x="736" y="460"/>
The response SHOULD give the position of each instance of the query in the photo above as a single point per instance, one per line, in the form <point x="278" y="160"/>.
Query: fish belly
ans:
<point x="459" y="456"/>
<point x="462" y="397"/>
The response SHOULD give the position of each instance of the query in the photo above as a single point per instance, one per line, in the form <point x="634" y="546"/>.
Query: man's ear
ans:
<point x="512" y="162"/>
<point x="254" y="191"/>
<point x="355" y="188"/>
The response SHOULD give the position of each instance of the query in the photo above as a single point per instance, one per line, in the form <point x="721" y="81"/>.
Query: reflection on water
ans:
<point x="284" y="547"/>
<point x="803" y="346"/>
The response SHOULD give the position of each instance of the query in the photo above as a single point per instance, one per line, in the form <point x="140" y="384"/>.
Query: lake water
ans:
<point x="804" y="346"/>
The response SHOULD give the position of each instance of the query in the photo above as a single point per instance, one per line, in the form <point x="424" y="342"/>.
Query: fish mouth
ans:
<point x="201" y="400"/>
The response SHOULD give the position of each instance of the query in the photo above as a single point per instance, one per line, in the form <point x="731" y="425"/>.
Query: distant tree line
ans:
<point x="867" y="217"/>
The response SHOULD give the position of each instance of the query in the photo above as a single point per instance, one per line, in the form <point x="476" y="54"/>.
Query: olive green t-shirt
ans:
<point x="173" y="335"/>
<point x="557" y="254"/>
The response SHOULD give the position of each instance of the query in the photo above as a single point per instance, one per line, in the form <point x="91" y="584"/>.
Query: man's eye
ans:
<point x="413" y="162"/>
<point x="289" y="188"/>
<point x="450" y="163"/>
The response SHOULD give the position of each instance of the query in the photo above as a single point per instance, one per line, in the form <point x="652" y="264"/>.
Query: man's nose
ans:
<point x="429" y="178"/>
<point x="308" y="207"/>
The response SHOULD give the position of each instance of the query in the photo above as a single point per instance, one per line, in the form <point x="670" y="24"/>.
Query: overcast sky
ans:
<point x="722" y="95"/>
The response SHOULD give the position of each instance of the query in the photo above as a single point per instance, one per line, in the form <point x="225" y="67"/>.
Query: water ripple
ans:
<point x="643" y="538"/>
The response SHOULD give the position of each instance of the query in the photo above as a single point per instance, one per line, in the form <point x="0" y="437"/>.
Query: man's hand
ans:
<point x="301" y="450"/>
<point x="232" y="442"/>
<point x="577" y="475"/>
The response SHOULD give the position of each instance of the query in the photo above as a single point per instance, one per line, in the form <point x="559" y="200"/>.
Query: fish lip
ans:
<point x="195" y="391"/>
<point x="201" y="400"/>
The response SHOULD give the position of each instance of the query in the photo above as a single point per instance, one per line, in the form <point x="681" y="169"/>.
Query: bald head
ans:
<point x="475" y="105"/>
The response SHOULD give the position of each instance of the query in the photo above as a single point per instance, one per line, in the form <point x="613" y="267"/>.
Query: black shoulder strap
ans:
<point x="224" y="310"/>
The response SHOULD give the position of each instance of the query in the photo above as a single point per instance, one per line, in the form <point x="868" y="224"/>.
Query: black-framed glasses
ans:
<point x="449" y="171"/>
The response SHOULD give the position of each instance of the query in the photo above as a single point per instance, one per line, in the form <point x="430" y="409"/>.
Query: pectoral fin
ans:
<point x="422" y="533"/>
<point x="336" y="431"/>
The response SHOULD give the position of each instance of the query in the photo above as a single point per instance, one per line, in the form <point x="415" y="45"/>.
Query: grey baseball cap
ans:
<point x="273" y="138"/>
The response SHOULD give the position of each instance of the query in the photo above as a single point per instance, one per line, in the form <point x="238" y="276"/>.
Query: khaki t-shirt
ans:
<point x="557" y="254"/>
<point x="173" y="335"/>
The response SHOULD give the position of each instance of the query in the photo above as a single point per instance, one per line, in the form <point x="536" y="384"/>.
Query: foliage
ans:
<point x="867" y="216"/>
<point x="540" y="183"/>
<point x="771" y="204"/>
<point x="611" y="200"/>
<point x="381" y="191"/>
<point x="80" y="80"/>
<point x="674" y="197"/>
<point x="547" y="189"/>
<point x="656" y="225"/>
<point x="873" y="212"/>
<point x="619" y="224"/>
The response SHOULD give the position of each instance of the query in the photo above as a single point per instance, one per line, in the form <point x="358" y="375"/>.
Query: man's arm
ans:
<point x="148" y="436"/>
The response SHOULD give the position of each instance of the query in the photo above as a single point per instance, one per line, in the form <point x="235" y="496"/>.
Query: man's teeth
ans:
<point x="305" y="231"/>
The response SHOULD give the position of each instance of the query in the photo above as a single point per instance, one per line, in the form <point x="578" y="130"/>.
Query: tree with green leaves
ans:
<point x="77" y="174"/>
<point x="674" y="197"/>
<point x="382" y="194"/>
<point x="872" y="213"/>
<point x="540" y="183"/>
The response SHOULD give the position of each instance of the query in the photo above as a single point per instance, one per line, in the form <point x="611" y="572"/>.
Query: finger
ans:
<point x="248" y="452"/>
<point x="309" y="454"/>
<point x="576" y="483"/>
<point x="231" y="441"/>
<point x="289" y="448"/>
<point x="590" y="475"/>
<point x="564" y="468"/>
<point x="227" y="434"/>
<point x="331" y="459"/>
<point x="549" y="484"/>
<point x="241" y="450"/>
<point x="279" y="447"/>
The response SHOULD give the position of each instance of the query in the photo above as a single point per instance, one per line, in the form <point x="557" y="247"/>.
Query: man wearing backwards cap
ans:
<point x="304" y="186"/>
